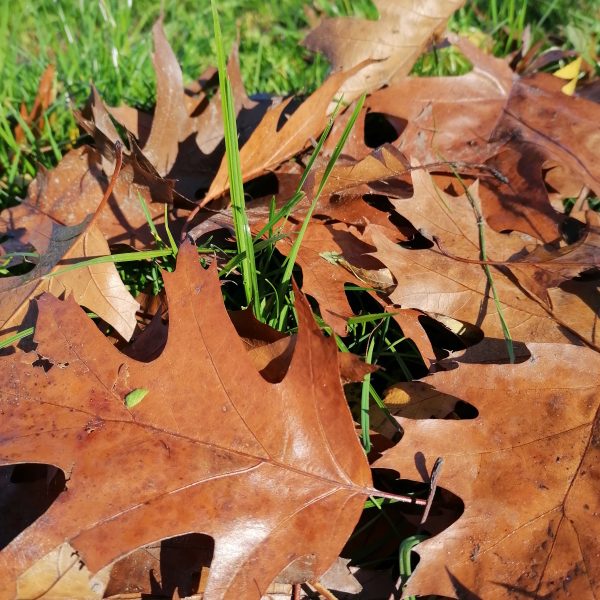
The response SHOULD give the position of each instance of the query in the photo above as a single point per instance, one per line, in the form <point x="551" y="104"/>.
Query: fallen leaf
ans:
<point x="61" y="574"/>
<point x="520" y="203"/>
<point x="287" y="488"/>
<point x="170" y="114"/>
<point x="44" y="98"/>
<point x="395" y="41"/>
<point x="436" y="284"/>
<point x="527" y="470"/>
<point x="73" y="190"/>
<point x="183" y="139"/>
<point x="548" y="266"/>
<point x="271" y="143"/>
<point x="97" y="287"/>
<point x="437" y="126"/>
<point x="322" y="279"/>
<point x="537" y="101"/>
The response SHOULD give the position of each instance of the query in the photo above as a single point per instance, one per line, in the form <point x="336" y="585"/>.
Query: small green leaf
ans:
<point x="135" y="397"/>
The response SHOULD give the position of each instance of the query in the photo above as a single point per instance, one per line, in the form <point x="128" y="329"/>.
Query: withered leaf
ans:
<point x="273" y="472"/>
<point x="45" y="96"/>
<point x="437" y="126"/>
<point x="520" y="202"/>
<point x="97" y="287"/>
<point x="395" y="40"/>
<point x="170" y="114"/>
<point x="323" y="279"/>
<point x="183" y="139"/>
<point x="435" y="283"/>
<point x="73" y="190"/>
<point x="527" y="470"/>
<point x="270" y="144"/>
<point x="536" y="101"/>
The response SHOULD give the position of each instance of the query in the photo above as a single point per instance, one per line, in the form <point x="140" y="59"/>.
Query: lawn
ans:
<point x="109" y="44"/>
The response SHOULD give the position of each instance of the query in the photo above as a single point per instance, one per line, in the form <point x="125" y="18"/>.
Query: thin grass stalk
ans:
<point x="486" y="268"/>
<point x="243" y="235"/>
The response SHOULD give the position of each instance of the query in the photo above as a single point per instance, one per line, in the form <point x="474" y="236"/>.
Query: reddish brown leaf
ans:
<point x="536" y="102"/>
<point x="439" y="285"/>
<point x="212" y="448"/>
<point x="521" y="203"/>
<point x="323" y="279"/>
<point x="271" y="144"/>
<point x="527" y="470"/>
<point x="44" y="98"/>
<point x="170" y="114"/>
<point x="547" y="266"/>
<point x="437" y="125"/>
<point x="183" y="139"/>
<point x="331" y="256"/>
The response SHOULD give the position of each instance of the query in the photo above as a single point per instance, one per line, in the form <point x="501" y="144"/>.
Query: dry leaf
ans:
<point x="323" y="279"/>
<point x="73" y="190"/>
<point x="537" y="101"/>
<point x="60" y="575"/>
<point x="286" y="488"/>
<point x="44" y="98"/>
<point x="527" y="471"/>
<point x="520" y="203"/>
<point x="395" y="40"/>
<point x="271" y="143"/>
<point x="183" y="139"/>
<point x="437" y="126"/>
<point x="97" y="287"/>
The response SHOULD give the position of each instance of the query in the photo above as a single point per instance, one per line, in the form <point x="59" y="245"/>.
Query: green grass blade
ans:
<point x="236" y="187"/>
<point x="16" y="337"/>
<point x="291" y="258"/>
<point x="406" y="548"/>
<point x="289" y="206"/>
<point x="111" y="258"/>
<point x="365" y="397"/>
<point x="172" y="243"/>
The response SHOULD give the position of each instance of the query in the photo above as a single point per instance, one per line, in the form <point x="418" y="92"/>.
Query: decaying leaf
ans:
<point x="97" y="287"/>
<point x="432" y="110"/>
<point x="324" y="279"/>
<point x="44" y="98"/>
<point x="271" y="143"/>
<point x="527" y="470"/>
<point x="210" y="428"/>
<point x="73" y="190"/>
<point x="395" y="40"/>
<point x="536" y="101"/>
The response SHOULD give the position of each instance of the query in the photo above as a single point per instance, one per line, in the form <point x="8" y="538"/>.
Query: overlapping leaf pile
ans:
<point x="457" y="219"/>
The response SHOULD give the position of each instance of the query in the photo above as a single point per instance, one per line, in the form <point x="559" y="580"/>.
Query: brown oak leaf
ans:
<point x="527" y="469"/>
<point x="273" y="472"/>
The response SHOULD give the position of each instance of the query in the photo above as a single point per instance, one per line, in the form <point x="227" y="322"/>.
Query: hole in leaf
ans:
<point x="452" y="334"/>
<point x="292" y="106"/>
<point x="464" y="410"/>
<point x="265" y="185"/>
<point x="382" y="129"/>
<point x="26" y="492"/>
